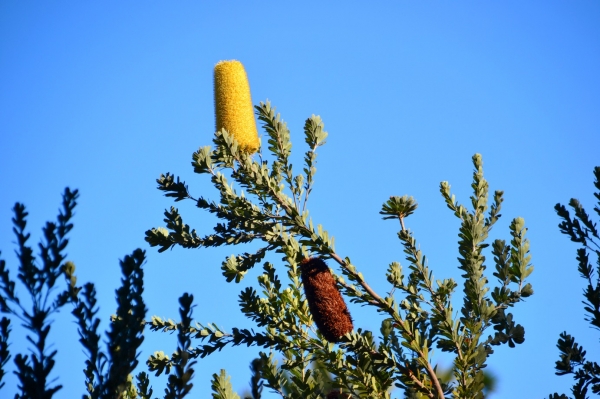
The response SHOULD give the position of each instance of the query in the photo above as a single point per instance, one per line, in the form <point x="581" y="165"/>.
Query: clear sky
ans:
<point x="106" y="96"/>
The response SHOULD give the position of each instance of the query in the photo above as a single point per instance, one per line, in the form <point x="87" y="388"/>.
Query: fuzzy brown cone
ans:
<point x="325" y="302"/>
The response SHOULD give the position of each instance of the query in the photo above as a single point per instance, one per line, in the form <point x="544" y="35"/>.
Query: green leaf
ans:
<point x="221" y="386"/>
<point x="398" y="207"/>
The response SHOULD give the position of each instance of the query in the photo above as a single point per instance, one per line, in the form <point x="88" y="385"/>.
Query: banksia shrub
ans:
<point x="264" y="202"/>
<point x="233" y="104"/>
<point x="325" y="302"/>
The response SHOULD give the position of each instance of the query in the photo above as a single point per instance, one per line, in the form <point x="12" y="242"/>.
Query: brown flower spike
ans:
<point x="325" y="302"/>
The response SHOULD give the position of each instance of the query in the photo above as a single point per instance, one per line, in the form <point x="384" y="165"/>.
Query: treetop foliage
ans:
<point x="262" y="200"/>
<point x="580" y="228"/>
<point x="308" y="345"/>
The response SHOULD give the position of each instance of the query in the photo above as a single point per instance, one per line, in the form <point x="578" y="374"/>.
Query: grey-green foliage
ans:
<point x="221" y="386"/>
<point x="106" y="372"/>
<point x="263" y="200"/>
<point x="582" y="230"/>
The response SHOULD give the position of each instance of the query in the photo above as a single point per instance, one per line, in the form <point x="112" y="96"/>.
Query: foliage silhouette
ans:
<point x="106" y="371"/>
<point x="582" y="230"/>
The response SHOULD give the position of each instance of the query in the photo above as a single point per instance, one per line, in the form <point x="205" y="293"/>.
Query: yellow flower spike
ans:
<point x="233" y="104"/>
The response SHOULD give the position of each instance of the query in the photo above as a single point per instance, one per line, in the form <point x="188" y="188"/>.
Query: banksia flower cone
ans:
<point x="233" y="104"/>
<point x="325" y="302"/>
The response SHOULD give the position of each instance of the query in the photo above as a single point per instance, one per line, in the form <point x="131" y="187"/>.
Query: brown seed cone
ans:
<point x="325" y="302"/>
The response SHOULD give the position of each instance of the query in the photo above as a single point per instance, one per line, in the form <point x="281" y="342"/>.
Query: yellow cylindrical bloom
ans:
<point x="233" y="104"/>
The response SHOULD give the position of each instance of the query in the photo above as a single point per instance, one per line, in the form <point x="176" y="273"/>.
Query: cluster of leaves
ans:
<point x="267" y="204"/>
<point x="582" y="230"/>
<point x="107" y="372"/>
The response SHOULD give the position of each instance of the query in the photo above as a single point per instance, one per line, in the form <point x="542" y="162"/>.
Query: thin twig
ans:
<point x="345" y="285"/>
<point x="360" y="280"/>
<point x="419" y="383"/>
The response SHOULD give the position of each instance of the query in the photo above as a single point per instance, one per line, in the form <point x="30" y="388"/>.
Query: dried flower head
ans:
<point x="325" y="302"/>
<point x="233" y="104"/>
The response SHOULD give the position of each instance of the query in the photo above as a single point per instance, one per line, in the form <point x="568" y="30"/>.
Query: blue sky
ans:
<point x="105" y="96"/>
